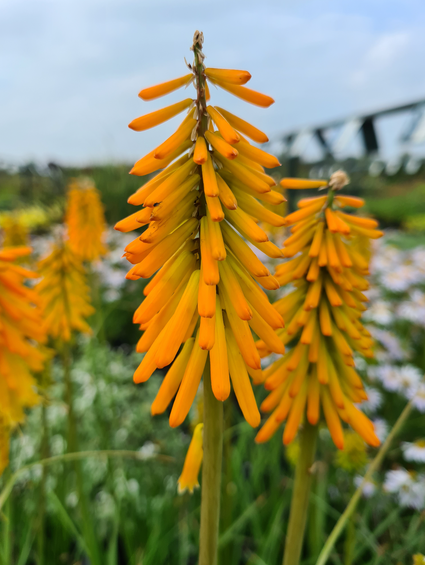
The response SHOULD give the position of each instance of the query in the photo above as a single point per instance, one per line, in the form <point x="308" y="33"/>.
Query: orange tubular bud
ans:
<point x="133" y="222"/>
<point x="171" y="183"/>
<point x="243" y="175"/>
<point x="206" y="298"/>
<point x="308" y="201"/>
<point x="214" y="209"/>
<point x="189" y="386"/>
<point x="244" y="93"/>
<point x="233" y="290"/>
<point x="258" y="155"/>
<point x="332" y="419"/>
<point x="246" y="224"/>
<point x="351" y="201"/>
<point x="242" y="334"/>
<point x="220" y="381"/>
<point x="209" y="178"/>
<point x="200" y="155"/>
<point x="266" y="333"/>
<point x="240" y="382"/>
<point x="173" y="333"/>
<point x="207" y="333"/>
<point x="226" y="196"/>
<point x="149" y="164"/>
<point x="367" y="223"/>
<point x="209" y="264"/>
<point x="175" y="140"/>
<point x="215" y="239"/>
<point x="244" y="127"/>
<point x="221" y="145"/>
<point x="243" y="252"/>
<point x="302" y="183"/>
<point x="160" y="116"/>
<point x="226" y="130"/>
<point x="332" y="220"/>
<point x="172" y="380"/>
<point x="256" y="210"/>
<point x="303" y="214"/>
<point x="164" y="88"/>
<point x="228" y="75"/>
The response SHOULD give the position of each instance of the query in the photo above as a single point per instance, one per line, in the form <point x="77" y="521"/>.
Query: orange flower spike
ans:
<point x="204" y="275"/>
<point x="85" y="220"/>
<point x="188" y="480"/>
<point x="226" y="130"/>
<point x="200" y="156"/>
<point x="160" y="116"/>
<point x="323" y="319"/>
<point x="21" y="337"/>
<point x="228" y="75"/>
<point x="165" y="87"/>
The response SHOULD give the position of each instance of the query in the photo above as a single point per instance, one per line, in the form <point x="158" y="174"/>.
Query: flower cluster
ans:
<point x="20" y="332"/>
<point x="64" y="291"/>
<point x="85" y="220"/>
<point x="204" y="294"/>
<point x="328" y="269"/>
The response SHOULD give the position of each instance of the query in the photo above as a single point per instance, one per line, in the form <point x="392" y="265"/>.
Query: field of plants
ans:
<point x="208" y="321"/>
<point x="118" y="503"/>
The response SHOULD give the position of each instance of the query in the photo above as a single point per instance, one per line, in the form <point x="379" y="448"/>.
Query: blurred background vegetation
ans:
<point x="136" y="516"/>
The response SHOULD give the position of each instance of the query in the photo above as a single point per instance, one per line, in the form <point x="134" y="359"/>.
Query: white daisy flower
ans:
<point x="374" y="400"/>
<point x="379" y="312"/>
<point x="381" y="428"/>
<point x="417" y="394"/>
<point x="414" y="451"/>
<point x="409" y="487"/>
<point x="369" y="488"/>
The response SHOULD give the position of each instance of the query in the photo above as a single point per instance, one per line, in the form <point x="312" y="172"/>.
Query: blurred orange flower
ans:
<point x="20" y="333"/>
<point x="85" y="220"/>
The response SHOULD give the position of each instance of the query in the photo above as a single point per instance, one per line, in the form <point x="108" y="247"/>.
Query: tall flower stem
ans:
<point x="373" y="467"/>
<point x="211" y="474"/>
<point x="73" y="447"/>
<point x="300" y="495"/>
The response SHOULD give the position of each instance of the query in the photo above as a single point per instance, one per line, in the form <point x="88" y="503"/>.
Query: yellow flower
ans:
<point x="353" y="457"/>
<point x="20" y="333"/>
<point x="188" y="480"/>
<point x="419" y="559"/>
<point x="65" y="293"/>
<point x="198" y="211"/>
<point x="85" y="220"/>
<point x="328" y="270"/>
<point x="15" y="233"/>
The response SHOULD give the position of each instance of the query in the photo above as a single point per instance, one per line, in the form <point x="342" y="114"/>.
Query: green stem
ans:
<point x="350" y="538"/>
<point x="73" y="446"/>
<point x="7" y="518"/>
<point x="373" y="467"/>
<point x="42" y="501"/>
<point x="300" y="495"/>
<point x="119" y="453"/>
<point x="211" y="474"/>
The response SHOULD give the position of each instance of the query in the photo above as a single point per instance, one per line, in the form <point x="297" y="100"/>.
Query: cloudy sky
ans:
<point x="71" y="69"/>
